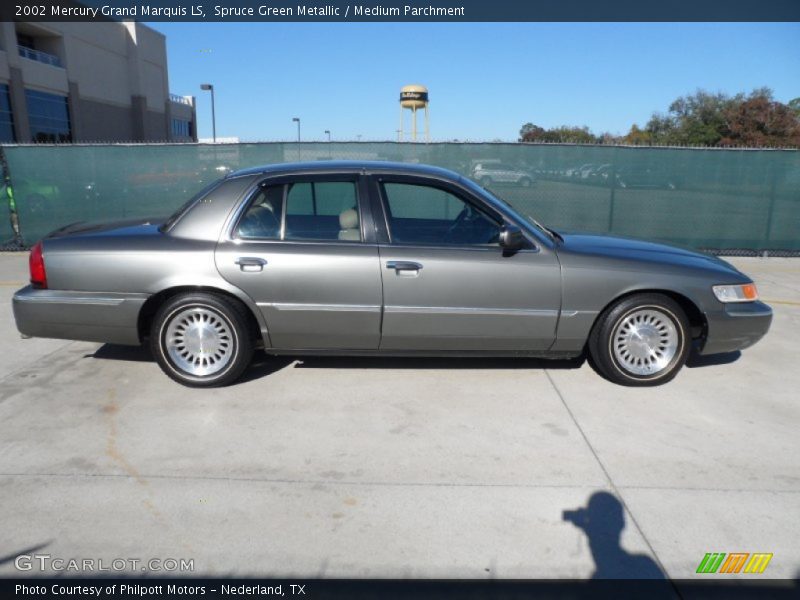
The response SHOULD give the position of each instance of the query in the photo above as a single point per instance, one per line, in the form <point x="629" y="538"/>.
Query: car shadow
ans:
<point x="265" y="364"/>
<point x="126" y="353"/>
<point x="433" y="363"/>
<point x="698" y="360"/>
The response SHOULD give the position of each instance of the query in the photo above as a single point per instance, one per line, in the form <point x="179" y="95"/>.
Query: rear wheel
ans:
<point x="641" y="340"/>
<point x="525" y="182"/>
<point x="486" y="181"/>
<point x="201" y="340"/>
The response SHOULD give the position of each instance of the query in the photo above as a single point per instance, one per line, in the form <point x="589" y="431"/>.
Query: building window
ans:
<point x="181" y="128"/>
<point x="48" y="116"/>
<point x="6" y="120"/>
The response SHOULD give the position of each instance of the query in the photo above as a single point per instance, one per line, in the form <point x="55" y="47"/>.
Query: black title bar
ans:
<point x="405" y="11"/>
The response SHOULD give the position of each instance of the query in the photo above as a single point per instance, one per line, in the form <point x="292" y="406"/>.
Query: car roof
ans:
<point x="339" y="166"/>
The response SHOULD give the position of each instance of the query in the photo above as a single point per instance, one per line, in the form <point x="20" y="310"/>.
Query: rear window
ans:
<point x="176" y="216"/>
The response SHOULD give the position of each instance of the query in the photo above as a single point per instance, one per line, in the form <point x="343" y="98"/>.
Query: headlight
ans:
<point x="736" y="293"/>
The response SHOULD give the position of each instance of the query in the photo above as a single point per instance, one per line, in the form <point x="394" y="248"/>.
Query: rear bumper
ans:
<point x="87" y="316"/>
<point x="736" y="326"/>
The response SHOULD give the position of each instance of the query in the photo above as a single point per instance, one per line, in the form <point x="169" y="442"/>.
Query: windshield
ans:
<point x="522" y="216"/>
<point x="174" y="217"/>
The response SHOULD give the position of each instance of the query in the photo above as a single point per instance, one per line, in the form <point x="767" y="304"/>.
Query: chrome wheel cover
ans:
<point x="199" y="341"/>
<point x="645" y="341"/>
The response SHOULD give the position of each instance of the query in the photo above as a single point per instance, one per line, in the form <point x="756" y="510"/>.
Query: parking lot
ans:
<point x="349" y="467"/>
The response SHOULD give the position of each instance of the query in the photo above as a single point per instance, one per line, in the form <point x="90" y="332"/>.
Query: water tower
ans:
<point x="414" y="97"/>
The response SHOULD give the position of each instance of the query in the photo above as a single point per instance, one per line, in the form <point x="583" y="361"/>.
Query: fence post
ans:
<point x="613" y="177"/>
<point x="768" y="229"/>
<point x="17" y="241"/>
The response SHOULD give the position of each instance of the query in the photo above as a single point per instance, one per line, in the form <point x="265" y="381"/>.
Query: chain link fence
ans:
<point x="729" y="201"/>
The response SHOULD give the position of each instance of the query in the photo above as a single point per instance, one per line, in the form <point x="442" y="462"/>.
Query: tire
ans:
<point x="641" y="340"/>
<point x="219" y="322"/>
<point x="486" y="181"/>
<point x="525" y="182"/>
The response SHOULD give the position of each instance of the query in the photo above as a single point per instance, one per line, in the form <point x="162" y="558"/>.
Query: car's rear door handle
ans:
<point x="251" y="264"/>
<point x="403" y="265"/>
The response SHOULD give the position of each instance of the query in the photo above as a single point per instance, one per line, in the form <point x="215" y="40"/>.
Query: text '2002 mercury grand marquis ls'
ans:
<point x="363" y="258"/>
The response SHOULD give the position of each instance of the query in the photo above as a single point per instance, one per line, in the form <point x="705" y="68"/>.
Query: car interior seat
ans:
<point x="348" y="222"/>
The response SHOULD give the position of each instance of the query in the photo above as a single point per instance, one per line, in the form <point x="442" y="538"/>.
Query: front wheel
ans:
<point x="642" y="340"/>
<point x="201" y="340"/>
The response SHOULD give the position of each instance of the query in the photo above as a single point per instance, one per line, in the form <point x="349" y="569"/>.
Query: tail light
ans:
<point x="36" y="263"/>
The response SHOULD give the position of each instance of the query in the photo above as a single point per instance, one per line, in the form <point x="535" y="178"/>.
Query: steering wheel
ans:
<point x="464" y="216"/>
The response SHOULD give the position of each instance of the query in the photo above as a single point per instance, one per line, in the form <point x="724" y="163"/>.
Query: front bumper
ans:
<point x="88" y="316"/>
<point x="736" y="326"/>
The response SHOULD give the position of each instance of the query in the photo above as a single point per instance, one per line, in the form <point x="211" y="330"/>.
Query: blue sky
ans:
<point x="485" y="79"/>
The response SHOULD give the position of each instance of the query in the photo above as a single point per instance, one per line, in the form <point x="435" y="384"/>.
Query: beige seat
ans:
<point x="348" y="221"/>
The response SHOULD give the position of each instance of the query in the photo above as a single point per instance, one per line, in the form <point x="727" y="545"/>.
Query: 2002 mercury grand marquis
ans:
<point x="363" y="258"/>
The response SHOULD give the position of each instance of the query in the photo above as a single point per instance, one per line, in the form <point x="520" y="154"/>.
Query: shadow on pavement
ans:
<point x="602" y="520"/>
<point x="142" y="354"/>
<point x="11" y="557"/>
<point x="127" y="353"/>
<point x="443" y="363"/>
<point x="698" y="360"/>
<point x="265" y="364"/>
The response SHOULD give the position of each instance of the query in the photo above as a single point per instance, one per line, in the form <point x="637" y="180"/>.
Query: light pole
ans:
<point x="328" y="133"/>
<point x="297" y="120"/>
<point x="207" y="87"/>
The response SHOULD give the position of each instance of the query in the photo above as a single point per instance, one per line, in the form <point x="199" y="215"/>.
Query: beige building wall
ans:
<point x="114" y="75"/>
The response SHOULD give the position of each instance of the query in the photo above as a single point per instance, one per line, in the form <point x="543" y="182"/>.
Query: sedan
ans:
<point x="372" y="258"/>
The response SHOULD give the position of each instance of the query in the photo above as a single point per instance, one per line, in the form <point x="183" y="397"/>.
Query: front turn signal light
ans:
<point x="736" y="293"/>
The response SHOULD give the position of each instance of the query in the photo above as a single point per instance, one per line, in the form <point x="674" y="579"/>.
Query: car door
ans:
<point x="300" y="248"/>
<point x="447" y="284"/>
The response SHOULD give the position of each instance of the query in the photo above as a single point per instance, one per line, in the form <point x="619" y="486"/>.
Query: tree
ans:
<point x="562" y="134"/>
<point x="699" y="119"/>
<point x="637" y="136"/>
<point x="530" y="132"/>
<point x="759" y="120"/>
<point x="705" y="119"/>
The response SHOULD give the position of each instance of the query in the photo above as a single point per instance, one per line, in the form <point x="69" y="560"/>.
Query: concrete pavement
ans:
<point x="403" y="467"/>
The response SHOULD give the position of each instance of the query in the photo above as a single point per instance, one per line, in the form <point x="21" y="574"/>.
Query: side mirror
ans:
<point x="511" y="238"/>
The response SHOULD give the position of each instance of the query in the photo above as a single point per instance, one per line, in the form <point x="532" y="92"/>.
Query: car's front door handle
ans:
<point x="403" y="265"/>
<point x="251" y="264"/>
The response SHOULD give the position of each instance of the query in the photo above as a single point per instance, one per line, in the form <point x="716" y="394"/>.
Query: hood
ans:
<point x="642" y="251"/>
<point x="120" y="227"/>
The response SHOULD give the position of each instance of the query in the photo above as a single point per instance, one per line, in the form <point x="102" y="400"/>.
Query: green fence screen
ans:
<point x="729" y="200"/>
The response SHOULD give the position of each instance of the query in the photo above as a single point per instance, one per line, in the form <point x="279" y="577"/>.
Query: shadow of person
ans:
<point x="602" y="521"/>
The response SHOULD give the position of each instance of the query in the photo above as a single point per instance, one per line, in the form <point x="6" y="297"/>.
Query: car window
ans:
<point x="322" y="210"/>
<point x="422" y="214"/>
<point x="176" y="216"/>
<point x="263" y="217"/>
